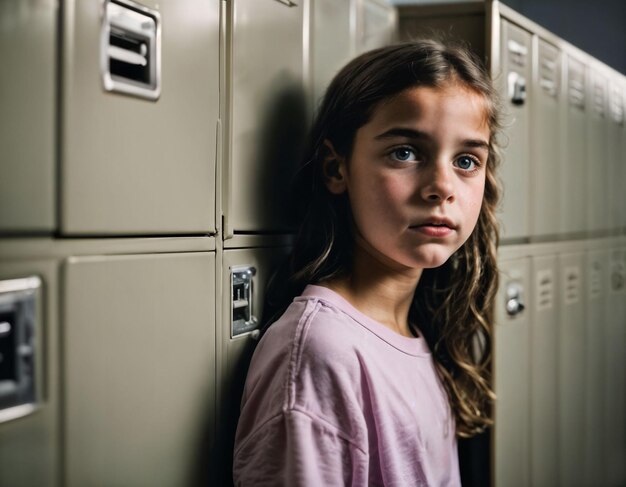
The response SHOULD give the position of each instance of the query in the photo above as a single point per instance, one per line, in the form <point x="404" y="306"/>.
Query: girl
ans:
<point x="382" y="358"/>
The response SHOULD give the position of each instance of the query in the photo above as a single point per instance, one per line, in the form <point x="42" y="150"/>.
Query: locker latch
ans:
<point x="517" y="88"/>
<point x="18" y="305"/>
<point x="514" y="298"/>
<point x="242" y="308"/>
<point x="130" y="49"/>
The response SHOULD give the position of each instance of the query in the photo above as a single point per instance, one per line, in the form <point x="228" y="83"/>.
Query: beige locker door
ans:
<point x="267" y="110"/>
<point x="235" y="349"/>
<point x="573" y="175"/>
<point x="333" y="38"/>
<point x="139" y="368"/>
<point x="615" y="350"/>
<point x="27" y="117"/>
<point x="595" y="344"/>
<point x="130" y="165"/>
<point x="516" y="86"/>
<point x="29" y="445"/>
<point x="544" y="347"/>
<point x="545" y="168"/>
<point x="572" y="367"/>
<point x="597" y="153"/>
<point x="616" y="158"/>
<point x="512" y="376"/>
<point x="376" y="24"/>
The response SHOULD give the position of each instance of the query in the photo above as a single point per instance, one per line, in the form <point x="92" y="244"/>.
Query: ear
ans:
<point x="334" y="168"/>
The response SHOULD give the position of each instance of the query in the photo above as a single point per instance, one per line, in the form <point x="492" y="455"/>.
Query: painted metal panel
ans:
<point x="572" y="363"/>
<point x="545" y="184"/>
<point x="268" y="110"/>
<point x="139" y="368"/>
<point x="595" y="358"/>
<point x="516" y="86"/>
<point x="616" y="159"/>
<point x="27" y="118"/>
<point x="333" y="37"/>
<point x="376" y="24"/>
<point x="544" y="347"/>
<point x="597" y="153"/>
<point x="512" y="375"/>
<point x="132" y="166"/>
<point x="573" y="170"/>
<point x="615" y="372"/>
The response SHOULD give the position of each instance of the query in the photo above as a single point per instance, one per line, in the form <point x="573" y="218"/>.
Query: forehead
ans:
<point x="433" y="106"/>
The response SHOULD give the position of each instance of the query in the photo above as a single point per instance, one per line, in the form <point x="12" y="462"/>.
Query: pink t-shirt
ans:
<point x="333" y="397"/>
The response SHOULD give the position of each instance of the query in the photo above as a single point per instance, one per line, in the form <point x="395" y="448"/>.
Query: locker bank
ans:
<point x="145" y="153"/>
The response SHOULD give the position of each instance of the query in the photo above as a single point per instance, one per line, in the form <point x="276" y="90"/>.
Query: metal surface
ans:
<point x="139" y="368"/>
<point x="132" y="166"/>
<point x="27" y="118"/>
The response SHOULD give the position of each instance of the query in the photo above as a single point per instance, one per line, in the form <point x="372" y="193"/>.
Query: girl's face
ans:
<point x="416" y="176"/>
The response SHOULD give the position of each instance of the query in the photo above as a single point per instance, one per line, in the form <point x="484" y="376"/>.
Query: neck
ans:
<point x="379" y="289"/>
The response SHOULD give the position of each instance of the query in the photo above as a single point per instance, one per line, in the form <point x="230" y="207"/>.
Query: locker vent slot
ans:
<point x="548" y="76"/>
<point x="617" y="106"/>
<point x="595" y="280"/>
<point x="243" y="320"/>
<point x="598" y="100"/>
<point x="576" y="92"/>
<point x="130" y="49"/>
<point x="518" y="53"/>
<point x="18" y="305"/>
<point x="288" y="3"/>
<point x="545" y="290"/>
<point x="571" y="285"/>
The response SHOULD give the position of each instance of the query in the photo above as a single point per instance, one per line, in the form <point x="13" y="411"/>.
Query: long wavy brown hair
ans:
<point x="453" y="303"/>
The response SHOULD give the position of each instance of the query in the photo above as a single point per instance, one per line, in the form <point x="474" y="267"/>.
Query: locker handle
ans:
<point x="288" y="3"/>
<point x="517" y="88"/>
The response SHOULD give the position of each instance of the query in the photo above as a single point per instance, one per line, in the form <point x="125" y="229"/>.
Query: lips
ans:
<point x="434" y="227"/>
<point x="436" y="223"/>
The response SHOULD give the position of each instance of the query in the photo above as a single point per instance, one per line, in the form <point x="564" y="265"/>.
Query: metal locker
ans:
<point x="615" y="385"/>
<point x="573" y="154"/>
<point x="376" y="24"/>
<point x="512" y="375"/>
<point x="597" y="173"/>
<point x="544" y="347"/>
<point x="516" y="86"/>
<point x="333" y="42"/>
<point x="544" y="161"/>
<point x="267" y="107"/>
<point x="245" y="274"/>
<point x="616" y="159"/>
<point x="139" y="117"/>
<point x="595" y="319"/>
<point x="139" y="368"/>
<point x="29" y="434"/>
<point x="572" y="367"/>
<point x="27" y="118"/>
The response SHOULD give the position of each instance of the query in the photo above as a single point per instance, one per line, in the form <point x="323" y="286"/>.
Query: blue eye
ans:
<point x="403" y="154"/>
<point x="466" y="163"/>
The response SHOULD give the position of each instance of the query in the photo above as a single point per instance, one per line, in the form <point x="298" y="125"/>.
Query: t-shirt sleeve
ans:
<point x="297" y="449"/>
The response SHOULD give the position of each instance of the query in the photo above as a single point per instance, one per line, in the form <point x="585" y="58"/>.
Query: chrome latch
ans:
<point x="242" y="305"/>
<point x="130" y="49"/>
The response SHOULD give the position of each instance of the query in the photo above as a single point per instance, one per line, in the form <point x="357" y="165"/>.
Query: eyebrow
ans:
<point x="418" y="134"/>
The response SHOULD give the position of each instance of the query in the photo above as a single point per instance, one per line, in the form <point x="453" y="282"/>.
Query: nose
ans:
<point x="438" y="183"/>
